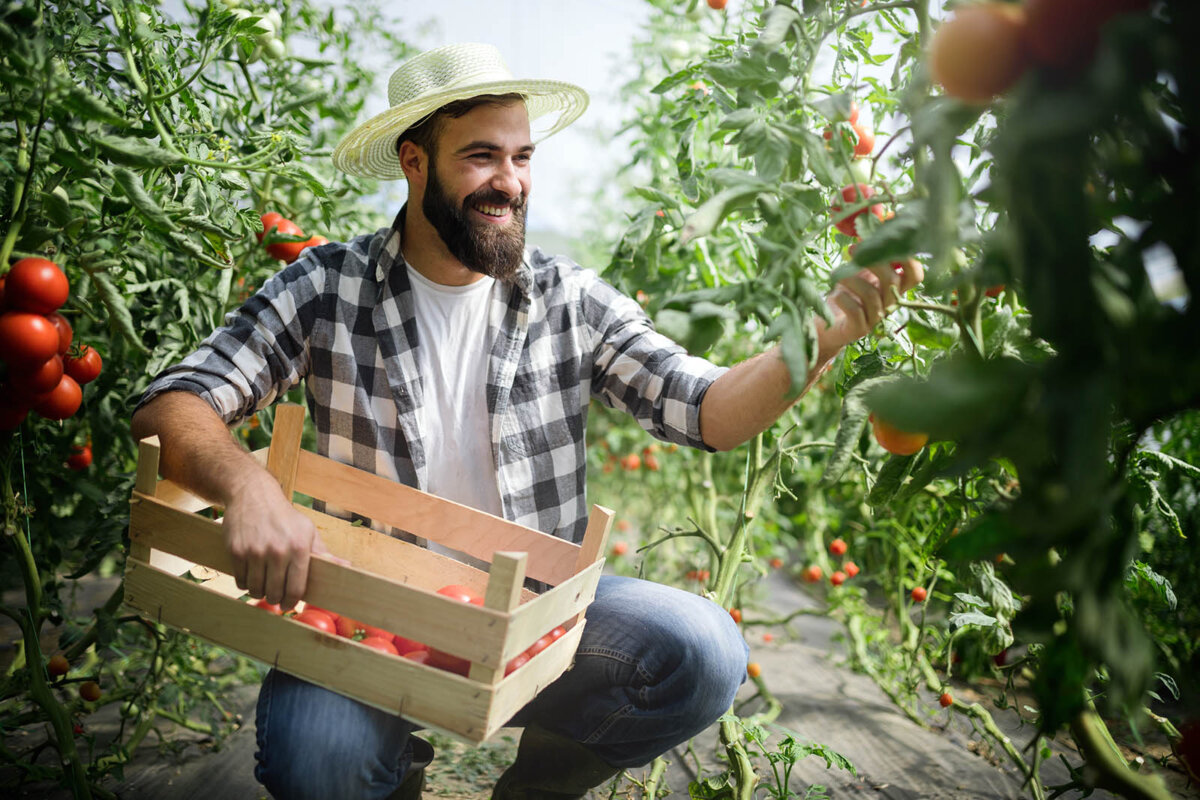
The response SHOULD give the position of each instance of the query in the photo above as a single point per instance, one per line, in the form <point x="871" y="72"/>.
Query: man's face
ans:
<point x="479" y="183"/>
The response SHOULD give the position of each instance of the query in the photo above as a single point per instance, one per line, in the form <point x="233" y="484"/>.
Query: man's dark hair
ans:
<point x="425" y="133"/>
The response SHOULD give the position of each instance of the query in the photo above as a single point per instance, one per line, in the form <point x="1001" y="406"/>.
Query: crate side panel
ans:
<point x="396" y="685"/>
<point x="524" y="683"/>
<point x="558" y="606"/>
<point x="456" y="526"/>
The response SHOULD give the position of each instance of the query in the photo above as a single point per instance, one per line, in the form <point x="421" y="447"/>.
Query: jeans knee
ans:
<point x="314" y="744"/>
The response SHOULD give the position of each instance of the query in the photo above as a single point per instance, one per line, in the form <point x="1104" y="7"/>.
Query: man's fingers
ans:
<point x="256" y="578"/>
<point x="912" y="274"/>
<point x="868" y="295"/>
<point x="296" y="581"/>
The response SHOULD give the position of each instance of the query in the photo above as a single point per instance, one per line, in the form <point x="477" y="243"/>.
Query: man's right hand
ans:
<point x="271" y="543"/>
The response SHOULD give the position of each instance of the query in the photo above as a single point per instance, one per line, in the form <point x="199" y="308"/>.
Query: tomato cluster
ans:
<point x="397" y="645"/>
<point x="985" y="48"/>
<point x="289" y="249"/>
<point x="42" y="371"/>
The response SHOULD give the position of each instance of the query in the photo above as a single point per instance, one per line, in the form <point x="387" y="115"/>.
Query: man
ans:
<point x="441" y="354"/>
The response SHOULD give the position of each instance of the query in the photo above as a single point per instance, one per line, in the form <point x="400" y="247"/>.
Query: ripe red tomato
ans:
<point x="651" y="463"/>
<point x="620" y="548"/>
<point x="540" y="645"/>
<point x="993" y="291"/>
<point x="919" y="594"/>
<point x="776" y="563"/>
<point x="40" y="379"/>
<point x="866" y="141"/>
<point x="60" y="402"/>
<point x="269" y="221"/>
<point x="838" y="547"/>
<point x="980" y="51"/>
<point x="945" y="700"/>
<point x="86" y="366"/>
<point x="80" y="458"/>
<point x="851" y="569"/>
<point x="419" y="656"/>
<point x="274" y="608"/>
<point x="460" y="593"/>
<point x="896" y="441"/>
<point x="813" y="573"/>
<point x="58" y="665"/>
<point x="347" y="627"/>
<point x="405" y="646"/>
<point x="521" y="660"/>
<point x="3" y="280"/>
<point x="13" y="409"/>
<point x="717" y="5"/>
<point x="855" y="194"/>
<point x="558" y="632"/>
<point x="631" y="462"/>
<point x="26" y="340"/>
<point x="65" y="333"/>
<point x="89" y="691"/>
<point x="381" y="644"/>
<point x="736" y="613"/>
<point x="36" y="285"/>
<point x="330" y="614"/>
<point x="447" y="662"/>
<point x="313" y="241"/>
<point x="853" y="118"/>
<point x="286" y="251"/>
<point x="837" y="578"/>
<point x="1063" y="34"/>
<point x="317" y="619"/>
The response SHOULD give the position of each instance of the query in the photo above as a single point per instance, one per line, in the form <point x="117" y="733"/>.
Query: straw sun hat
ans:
<point x="426" y="82"/>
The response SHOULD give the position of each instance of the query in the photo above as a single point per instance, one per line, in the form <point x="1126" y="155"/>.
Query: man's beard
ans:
<point x="492" y="250"/>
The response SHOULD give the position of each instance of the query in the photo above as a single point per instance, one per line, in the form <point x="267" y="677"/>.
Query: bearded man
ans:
<point x="443" y="354"/>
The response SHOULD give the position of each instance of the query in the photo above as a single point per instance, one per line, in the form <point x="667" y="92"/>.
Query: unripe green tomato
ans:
<point x="275" y="49"/>
<point x="263" y="30"/>
<point x="130" y="710"/>
<point x="860" y="168"/>
<point x="249" y="53"/>
<point x="231" y="3"/>
<point x="275" y="19"/>
<point x="143" y="18"/>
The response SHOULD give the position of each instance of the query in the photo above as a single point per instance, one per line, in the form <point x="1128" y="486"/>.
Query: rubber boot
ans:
<point x="414" y="780"/>
<point x="551" y="767"/>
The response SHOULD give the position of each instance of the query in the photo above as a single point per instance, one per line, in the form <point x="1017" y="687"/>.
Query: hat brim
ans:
<point x="369" y="151"/>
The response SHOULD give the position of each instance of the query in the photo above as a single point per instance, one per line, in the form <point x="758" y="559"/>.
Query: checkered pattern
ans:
<point x="341" y="319"/>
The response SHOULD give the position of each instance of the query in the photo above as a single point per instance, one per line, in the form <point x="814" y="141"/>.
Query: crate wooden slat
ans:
<point x="388" y="583"/>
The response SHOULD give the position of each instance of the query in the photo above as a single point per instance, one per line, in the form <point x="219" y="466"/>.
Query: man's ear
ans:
<point x="414" y="161"/>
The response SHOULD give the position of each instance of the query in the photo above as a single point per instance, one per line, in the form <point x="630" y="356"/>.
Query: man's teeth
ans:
<point x="493" y="211"/>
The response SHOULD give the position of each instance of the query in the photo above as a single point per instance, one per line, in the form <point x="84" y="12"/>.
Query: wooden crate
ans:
<point x="178" y="573"/>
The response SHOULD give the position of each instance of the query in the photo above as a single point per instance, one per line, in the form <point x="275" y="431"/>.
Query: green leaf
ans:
<point x="85" y="105"/>
<point x="119" y="318"/>
<point x="135" y="152"/>
<point x="715" y="209"/>
<point x="776" y="23"/>
<point x="976" y="618"/>
<point x="152" y="213"/>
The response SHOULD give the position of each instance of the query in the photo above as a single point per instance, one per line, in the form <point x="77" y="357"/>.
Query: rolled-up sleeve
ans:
<point x="260" y="352"/>
<point x="642" y="372"/>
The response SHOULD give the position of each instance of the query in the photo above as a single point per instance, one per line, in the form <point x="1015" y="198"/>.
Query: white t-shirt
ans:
<point x="452" y="356"/>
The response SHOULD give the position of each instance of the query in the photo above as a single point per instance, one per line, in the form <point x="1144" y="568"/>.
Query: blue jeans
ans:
<point x="655" y="666"/>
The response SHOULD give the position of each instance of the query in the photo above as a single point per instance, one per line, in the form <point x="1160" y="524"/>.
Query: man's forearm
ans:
<point x="749" y="398"/>
<point x="197" y="451"/>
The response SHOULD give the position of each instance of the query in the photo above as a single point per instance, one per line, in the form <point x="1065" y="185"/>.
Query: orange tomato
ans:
<point x="980" y="51"/>
<point x="896" y="441"/>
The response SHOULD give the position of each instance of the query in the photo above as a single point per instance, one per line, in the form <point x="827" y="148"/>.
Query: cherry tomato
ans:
<point x="946" y="700"/>
<point x="445" y="661"/>
<point x="347" y="627"/>
<point x="36" y="285"/>
<point x="919" y="594"/>
<point x="65" y="332"/>
<point x="86" y="366"/>
<point x="540" y="645"/>
<point x="753" y="669"/>
<point x="26" y="340"/>
<point x="89" y="691"/>
<point x="317" y="619"/>
<point x="736" y="613"/>
<point x="813" y="573"/>
<point x="81" y="458"/>
<point x="620" y="548"/>
<point x="381" y="644"/>
<point x="717" y="5"/>
<point x="837" y="578"/>
<point x="58" y="666"/>
<point x="851" y="569"/>
<point x="60" y="402"/>
<point x="838" y="547"/>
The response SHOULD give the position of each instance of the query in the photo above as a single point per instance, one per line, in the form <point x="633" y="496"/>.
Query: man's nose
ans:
<point x="506" y="180"/>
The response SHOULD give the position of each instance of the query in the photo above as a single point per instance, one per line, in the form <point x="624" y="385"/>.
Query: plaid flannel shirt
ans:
<point x="341" y="318"/>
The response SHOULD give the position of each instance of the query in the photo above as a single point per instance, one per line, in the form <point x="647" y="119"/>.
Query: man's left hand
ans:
<point x="859" y="302"/>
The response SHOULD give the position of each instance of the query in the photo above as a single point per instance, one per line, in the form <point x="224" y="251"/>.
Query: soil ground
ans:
<point x="822" y="700"/>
